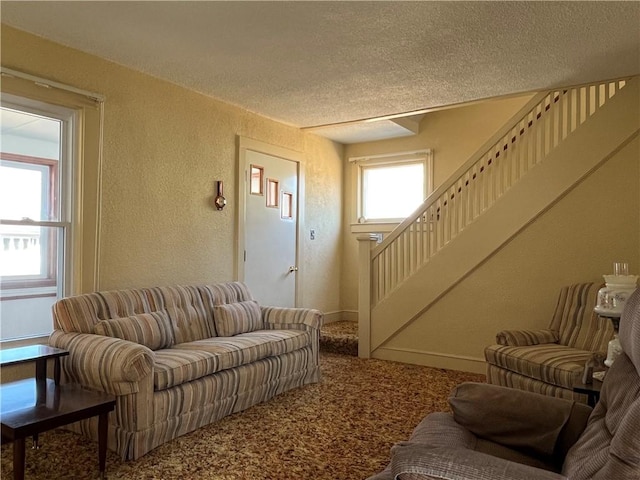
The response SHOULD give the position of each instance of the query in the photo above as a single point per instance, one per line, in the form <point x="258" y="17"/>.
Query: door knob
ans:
<point x="293" y="268"/>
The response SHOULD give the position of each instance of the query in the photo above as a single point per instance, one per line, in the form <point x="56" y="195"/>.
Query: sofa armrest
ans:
<point x="282" y="317"/>
<point x="523" y="338"/>
<point x="526" y="421"/>
<point x="413" y="461"/>
<point x="103" y="363"/>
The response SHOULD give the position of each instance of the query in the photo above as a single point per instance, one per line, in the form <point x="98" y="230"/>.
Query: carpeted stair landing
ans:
<point x="340" y="337"/>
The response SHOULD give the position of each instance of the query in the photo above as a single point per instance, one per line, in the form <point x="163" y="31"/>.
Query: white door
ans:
<point x="271" y="226"/>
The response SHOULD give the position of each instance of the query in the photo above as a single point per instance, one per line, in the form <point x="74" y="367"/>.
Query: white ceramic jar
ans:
<point x="611" y="300"/>
<point x="613" y="296"/>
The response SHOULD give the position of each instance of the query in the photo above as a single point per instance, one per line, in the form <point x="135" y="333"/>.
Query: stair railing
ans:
<point x="525" y="141"/>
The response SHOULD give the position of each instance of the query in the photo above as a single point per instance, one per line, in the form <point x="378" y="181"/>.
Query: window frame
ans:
<point x="424" y="157"/>
<point x="85" y="140"/>
<point x="261" y="180"/>
<point x="62" y="205"/>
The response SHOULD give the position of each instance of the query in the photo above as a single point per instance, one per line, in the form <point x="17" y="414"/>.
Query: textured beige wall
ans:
<point x="453" y="135"/>
<point x="164" y="147"/>
<point x="323" y="213"/>
<point x="576" y="240"/>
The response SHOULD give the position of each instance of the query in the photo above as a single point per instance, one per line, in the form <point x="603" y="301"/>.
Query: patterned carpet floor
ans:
<point x="340" y="337"/>
<point x="341" y="428"/>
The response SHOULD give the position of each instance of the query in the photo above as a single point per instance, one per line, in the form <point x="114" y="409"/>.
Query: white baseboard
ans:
<point x="447" y="361"/>
<point x="431" y="359"/>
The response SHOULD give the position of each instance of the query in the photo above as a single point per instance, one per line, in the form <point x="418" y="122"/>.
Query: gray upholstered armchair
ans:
<point x="498" y="433"/>
<point x="550" y="361"/>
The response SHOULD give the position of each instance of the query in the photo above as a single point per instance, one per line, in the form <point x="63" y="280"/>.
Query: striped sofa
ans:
<point x="550" y="361"/>
<point x="181" y="357"/>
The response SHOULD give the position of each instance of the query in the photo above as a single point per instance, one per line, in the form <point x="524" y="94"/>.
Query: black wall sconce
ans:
<point x="219" y="201"/>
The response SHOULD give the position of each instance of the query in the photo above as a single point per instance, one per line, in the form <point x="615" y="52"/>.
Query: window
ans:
<point x="28" y="192"/>
<point x="257" y="180"/>
<point x="49" y="178"/>
<point x="273" y="193"/>
<point x="287" y="206"/>
<point x="34" y="211"/>
<point x="391" y="187"/>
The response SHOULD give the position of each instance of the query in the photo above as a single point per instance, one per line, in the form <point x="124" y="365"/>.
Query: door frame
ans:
<point x="249" y="144"/>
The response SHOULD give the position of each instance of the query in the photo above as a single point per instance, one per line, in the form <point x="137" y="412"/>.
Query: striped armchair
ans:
<point x="550" y="361"/>
<point x="497" y="433"/>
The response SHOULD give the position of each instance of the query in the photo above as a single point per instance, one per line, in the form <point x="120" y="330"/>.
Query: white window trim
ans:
<point x="361" y="225"/>
<point x="87" y="135"/>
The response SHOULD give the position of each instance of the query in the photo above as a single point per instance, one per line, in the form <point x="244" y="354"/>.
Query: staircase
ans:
<point x="525" y="168"/>
<point x="339" y="337"/>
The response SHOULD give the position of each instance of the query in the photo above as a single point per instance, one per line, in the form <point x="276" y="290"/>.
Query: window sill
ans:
<point x="23" y="342"/>
<point x="26" y="293"/>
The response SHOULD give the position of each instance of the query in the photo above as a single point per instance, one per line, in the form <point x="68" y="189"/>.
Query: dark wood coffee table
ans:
<point x="32" y="406"/>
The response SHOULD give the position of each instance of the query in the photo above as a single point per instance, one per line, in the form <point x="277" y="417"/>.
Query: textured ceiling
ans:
<point x="318" y="63"/>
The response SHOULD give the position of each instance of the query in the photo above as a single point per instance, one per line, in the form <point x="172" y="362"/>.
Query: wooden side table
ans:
<point x="32" y="406"/>
<point x="591" y="390"/>
<point x="40" y="355"/>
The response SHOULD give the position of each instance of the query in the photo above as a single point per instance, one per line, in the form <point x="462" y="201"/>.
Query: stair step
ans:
<point x="340" y="337"/>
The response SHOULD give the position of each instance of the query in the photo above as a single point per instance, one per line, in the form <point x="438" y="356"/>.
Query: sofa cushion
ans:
<point x="550" y="363"/>
<point x="189" y="361"/>
<point x="415" y="461"/>
<point x="234" y="318"/>
<point x="174" y="367"/>
<point x="184" y="305"/>
<point x="439" y="429"/>
<point x="526" y="421"/>
<point x="153" y="330"/>
<point x="80" y="313"/>
<point x="221" y="293"/>
<point x="281" y="341"/>
<point x="576" y="322"/>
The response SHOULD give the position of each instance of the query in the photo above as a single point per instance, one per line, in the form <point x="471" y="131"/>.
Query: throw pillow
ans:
<point x="234" y="318"/>
<point x="153" y="330"/>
